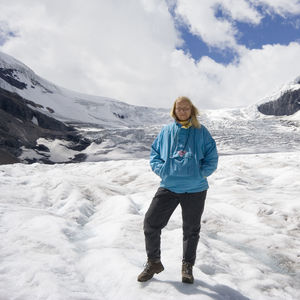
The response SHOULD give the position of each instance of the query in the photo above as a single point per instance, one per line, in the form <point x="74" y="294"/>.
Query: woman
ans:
<point x="183" y="154"/>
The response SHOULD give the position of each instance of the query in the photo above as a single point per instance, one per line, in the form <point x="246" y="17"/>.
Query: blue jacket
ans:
<point x="183" y="158"/>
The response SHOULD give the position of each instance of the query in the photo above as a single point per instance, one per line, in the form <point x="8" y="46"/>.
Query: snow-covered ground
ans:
<point x="74" y="231"/>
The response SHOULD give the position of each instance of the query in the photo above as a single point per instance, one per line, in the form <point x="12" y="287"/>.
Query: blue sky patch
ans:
<point x="5" y="36"/>
<point x="273" y="29"/>
<point x="196" y="48"/>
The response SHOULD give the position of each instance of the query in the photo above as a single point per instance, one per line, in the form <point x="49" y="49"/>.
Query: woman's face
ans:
<point x="183" y="110"/>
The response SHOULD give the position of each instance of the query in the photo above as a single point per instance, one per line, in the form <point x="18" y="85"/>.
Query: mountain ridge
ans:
<point x="286" y="101"/>
<point x="29" y="103"/>
<point x="104" y="128"/>
<point x="21" y="126"/>
<point x="69" y="106"/>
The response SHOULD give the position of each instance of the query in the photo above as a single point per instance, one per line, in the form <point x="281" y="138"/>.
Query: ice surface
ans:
<point x="75" y="231"/>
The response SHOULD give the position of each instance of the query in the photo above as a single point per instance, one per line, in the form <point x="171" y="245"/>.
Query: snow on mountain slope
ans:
<point x="245" y="130"/>
<point x="236" y="131"/>
<point x="75" y="232"/>
<point x="285" y="102"/>
<point x="290" y="86"/>
<point x="71" y="106"/>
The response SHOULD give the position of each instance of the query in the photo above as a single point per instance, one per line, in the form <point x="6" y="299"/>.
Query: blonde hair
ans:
<point x="194" y="111"/>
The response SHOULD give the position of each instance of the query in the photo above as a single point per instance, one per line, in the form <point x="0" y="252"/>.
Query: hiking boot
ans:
<point x="187" y="272"/>
<point x="152" y="267"/>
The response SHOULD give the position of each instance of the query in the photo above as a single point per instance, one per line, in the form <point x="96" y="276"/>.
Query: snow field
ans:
<point x="75" y="232"/>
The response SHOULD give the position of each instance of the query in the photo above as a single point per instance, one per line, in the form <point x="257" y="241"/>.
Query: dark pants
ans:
<point x="159" y="213"/>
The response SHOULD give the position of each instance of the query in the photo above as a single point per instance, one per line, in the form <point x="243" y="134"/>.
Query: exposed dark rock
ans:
<point x="8" y="76"/>
<point x="36" y="105"/>
<point x="40" y="160"/>
<point x="98" y="141"/>
<point x="42" y="148"/>
<point x="78" y="145"/>
<point x="50" y="110"/>
<point x="7" y="158"/>
<point x="17" y="129"/>
<point x="44" y="89"/>
<point x="16" y="106"/>
<point x="287" y="104"/>
<point x="79" y="158"/>
<point x="119" y="116"/>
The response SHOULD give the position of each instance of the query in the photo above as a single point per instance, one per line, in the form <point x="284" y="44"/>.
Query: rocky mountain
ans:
<point x="69" y="106"/>
<point x="21" y="125"/>
<point x="285" y="102"/>
<point x="36" y="114"/>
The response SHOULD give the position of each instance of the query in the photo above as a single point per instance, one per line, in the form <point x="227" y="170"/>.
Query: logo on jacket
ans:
<point x="181" y="153"/>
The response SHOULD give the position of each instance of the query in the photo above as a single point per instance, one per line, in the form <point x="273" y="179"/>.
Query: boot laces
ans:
<point x="147" y="267"/>
<point x="187" y="268"/>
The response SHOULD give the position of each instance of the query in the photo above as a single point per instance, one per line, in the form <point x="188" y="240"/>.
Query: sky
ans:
<point x="220" y="53"/>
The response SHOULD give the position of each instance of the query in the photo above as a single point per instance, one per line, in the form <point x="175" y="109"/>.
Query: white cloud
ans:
<point x="5" y="32"/>
<point x="280" y="7"/>
<point x="202" y="20"/>
<point x="127" y="50"/>
<point x="200" y="17"/>
<point x="258" y="73"/>
<point x="241" y="11"/>
<point x="114" y="48"/>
